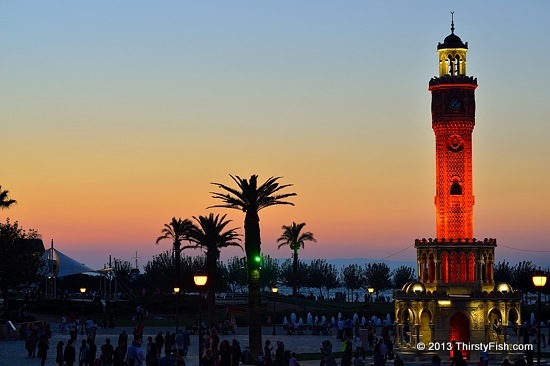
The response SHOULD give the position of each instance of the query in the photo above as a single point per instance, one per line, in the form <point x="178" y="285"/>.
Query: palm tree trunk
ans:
<point x="211" y="266"/>
<point x="252" y="243"/>
<point x="295" y="272"/>
<point x="177" y="260"/>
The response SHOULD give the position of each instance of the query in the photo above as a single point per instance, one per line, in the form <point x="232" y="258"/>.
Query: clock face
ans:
<point x="455" y="104"/>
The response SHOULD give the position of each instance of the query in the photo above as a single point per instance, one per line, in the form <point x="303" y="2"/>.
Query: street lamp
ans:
<point x="274" y="291"/>
<point x="370" y="289"/>
<point x="177" y="291"/>
<point x="200" y="279"/>
<point x="82" y="291"/>
<point x="539" y="280"/>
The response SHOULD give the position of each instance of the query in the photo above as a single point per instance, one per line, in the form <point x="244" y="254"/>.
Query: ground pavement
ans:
<point x="13" y="352"/>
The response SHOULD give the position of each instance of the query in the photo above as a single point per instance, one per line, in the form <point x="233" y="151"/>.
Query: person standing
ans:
<point x="267" y="353"/>
<point x="70" y="353"/>
<point x="132" y="353"/>
<point x="59" y="359"/>
<point x="152" y="356"/>
<point x="236" y="352"/>
<point x="280" y="354"/>
<point x="179" y="341"/>
<point x="347" y="353"/>
<point x="107" y="352"/>
<point x="159" y="340"/>
<point x="92" y="352"/>
<point x="119" y="355"/>
<point x="140" y="355"/>
<point x="42" y="348"/>
<point x="327" y="357"/>
<point x="71" y="327"/>
<point x="83" y="353"/>
<point x="186" y="341"/>
<point x="226" y="356"/>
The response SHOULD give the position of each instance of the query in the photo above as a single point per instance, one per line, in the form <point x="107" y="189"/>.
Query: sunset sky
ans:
<point x="117" y="116"/>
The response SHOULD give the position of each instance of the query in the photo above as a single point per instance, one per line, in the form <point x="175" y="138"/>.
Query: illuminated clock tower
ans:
<point x="455" y="296"/>
<point x="453" y="120"/>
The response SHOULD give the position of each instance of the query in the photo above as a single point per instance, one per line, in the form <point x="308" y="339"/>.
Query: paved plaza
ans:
<point x="12" y="352"/>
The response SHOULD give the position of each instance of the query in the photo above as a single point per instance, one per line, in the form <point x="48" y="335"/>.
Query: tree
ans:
<point x="377" y="275"/>
<point x="504" y="272"/>
<point x="21" y="260"/>
<point x="353" y="277"/>
<point x="5" y="202"/>
<point x="251" y="198"/>
<point x="287" y="277"/>
<point x="523" y="277"/>
<point x="295" y="239"/>
<point x="236" y="273"/>
<point x="211" y="236"/>
<point x="177" y="231"/>
<point x="122" y="270"/>
<point x="316" y="274"/>
<point x="402" y="275"/>
<point x="331" y="279"/>
<point x="270" y="272"/>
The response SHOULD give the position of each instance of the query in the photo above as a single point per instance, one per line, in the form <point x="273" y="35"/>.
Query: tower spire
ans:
<point x="452" y="22"/>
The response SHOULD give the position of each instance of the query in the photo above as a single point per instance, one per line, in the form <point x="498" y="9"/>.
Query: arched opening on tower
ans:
<point x="425" y="326"/>
<point x="431" y="268"/>
<point x="408" y="325"/>
<point x="453" y="63"/>
<point x="459" y="331"/>
<point x="513" y="317"/>
<point x="454" y="267"/>
<point x="445" y="267"/>
<point x="471" y="267"/>
<point x="456" y="189"/>
<point x="462" y="267"/>
<point x="495" y="319"/>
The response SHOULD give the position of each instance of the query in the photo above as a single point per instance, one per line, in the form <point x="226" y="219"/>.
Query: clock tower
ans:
<point x="453" y="120"/>
<point x="455" y="296"/>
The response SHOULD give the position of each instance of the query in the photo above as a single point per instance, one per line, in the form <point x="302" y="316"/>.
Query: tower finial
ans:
<point x="452" y="22"/>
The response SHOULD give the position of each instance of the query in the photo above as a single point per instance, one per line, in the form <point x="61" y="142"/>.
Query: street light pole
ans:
<point x="539" y="280"/>
<point x="370" y="289"/>
<point x="177" y="291"/>
<point x="274" y="291"/>
<point x="82" y="291"/>
<point x="200" y="279"/>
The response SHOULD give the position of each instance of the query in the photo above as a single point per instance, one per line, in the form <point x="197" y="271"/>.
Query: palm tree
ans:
<point x="5" y="202"/>
<point x="211" y="237"/>
<point x="177" y="231"/>
<point x="251" y="198"/>
<point x="295" y="239"/>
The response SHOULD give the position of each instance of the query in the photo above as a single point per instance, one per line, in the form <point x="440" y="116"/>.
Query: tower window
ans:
<point x="456" y="189"/>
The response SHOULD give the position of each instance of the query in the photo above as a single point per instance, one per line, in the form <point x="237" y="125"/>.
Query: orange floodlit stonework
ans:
<point x="455" y="296"/>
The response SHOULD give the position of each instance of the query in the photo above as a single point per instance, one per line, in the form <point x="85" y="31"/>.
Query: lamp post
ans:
<point x="177" y="291"/>
<point x="539" y="280"/>
<point x="370" y="289"/>
<point x="200" y="279"/>
<point x="274" y="291"/>
<point x="82" y="292"/>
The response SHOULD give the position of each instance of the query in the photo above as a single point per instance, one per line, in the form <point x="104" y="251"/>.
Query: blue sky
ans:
<point x="120" y="114"/>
